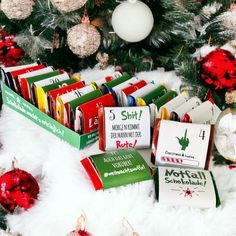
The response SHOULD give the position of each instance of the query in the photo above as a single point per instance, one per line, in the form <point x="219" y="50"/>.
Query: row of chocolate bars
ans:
<point x="74" y="103"/>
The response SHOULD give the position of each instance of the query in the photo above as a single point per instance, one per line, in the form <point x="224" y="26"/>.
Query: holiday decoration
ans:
<point x="132" y="21"/>
<point x="65" y="6"/>
<point x="80" y="228"/>
<point x="83" y="39"/>
<point x="218" y="69"/>
<point x="18" y="189"/>
<point x="33" y="44"/>
<point x="225" y="130"/>
<point x="129" y="227"/>
<point x="17" y="9"/>
<point x="103" y="60"/>
<point x="10" y="54"/>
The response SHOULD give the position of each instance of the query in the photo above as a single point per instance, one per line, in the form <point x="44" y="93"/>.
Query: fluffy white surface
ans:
<point x="66" y="191"/>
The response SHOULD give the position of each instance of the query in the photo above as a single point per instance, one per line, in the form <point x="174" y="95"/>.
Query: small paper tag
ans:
<point x="188" y="187"/>
<point x="183" y="144"/>
<point x="127" y="127"/>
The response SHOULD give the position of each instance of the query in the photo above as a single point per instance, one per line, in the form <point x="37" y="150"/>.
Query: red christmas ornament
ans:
<point x="10" y="53"/>
<point x="80" y="228"/>
<point x="18" y="188"/>
<point x="218" y="69"/>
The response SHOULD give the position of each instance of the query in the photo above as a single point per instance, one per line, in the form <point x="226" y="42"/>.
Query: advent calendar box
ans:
<point x="19" y="104"/>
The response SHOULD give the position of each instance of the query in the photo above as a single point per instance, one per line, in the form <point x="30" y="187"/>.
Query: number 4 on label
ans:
<point x="202" y="134"/>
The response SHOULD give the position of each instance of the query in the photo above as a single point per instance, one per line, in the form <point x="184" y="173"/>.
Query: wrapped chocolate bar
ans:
<point x="53" y="94"/>
<point x="22" y="78"/>
<point x="186" y="187"/>
<point x="116" y="90"/>
<point x="132" y="98"/>
<point x="87" y="113"/>
<point x="165" y="110"/>
<point x="202" y="114"/>
<point x="117" y="168"/>
<point x="70" y="119"/>
<point x="6" y="72"/>
<point x="130" y="89"/>
<point x="98" y="83"/>
<point x="158" y="103"/>
<point x="106" y="87"/>
<point x="182" y="144"/>
<point x="124" y="127"/>
<point x="43" y="91"/>
<point x="152" y="96"/>
<point x="12" y="76"/>
<point x="179" y="112"/>
<point x="63" y="99"/>
<point x="26" y="84"/>
<point x="45" y="82"/>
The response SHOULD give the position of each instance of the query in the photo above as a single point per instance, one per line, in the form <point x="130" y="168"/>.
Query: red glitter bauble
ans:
<point x="218" y="69"/>
<point x="18" y="188"/>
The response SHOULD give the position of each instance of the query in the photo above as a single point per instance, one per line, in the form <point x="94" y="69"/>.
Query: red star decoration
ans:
<point x="188" y="192"/>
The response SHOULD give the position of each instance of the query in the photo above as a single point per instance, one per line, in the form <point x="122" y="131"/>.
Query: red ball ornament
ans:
<point x="218" y="69"/>
<point x="18" y="188"/>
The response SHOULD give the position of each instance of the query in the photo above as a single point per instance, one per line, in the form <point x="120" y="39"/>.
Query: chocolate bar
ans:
<point x="182" y="144"/>
<point x="70" y="119"/>
<point x="130" y="89"/>
<point x="186" y="187"/>
<point x="117" y="168"/>
<point x="121" y="127"/>
<point x="151" y="96"/>
<point x="88" y="113"/>
<point x="179" y="112"/>
<point x="53" y="94"/>
<point x="65" y="98"/>
<point x="165" y="110"/>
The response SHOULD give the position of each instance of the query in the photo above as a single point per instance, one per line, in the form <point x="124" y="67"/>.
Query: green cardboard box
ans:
<point x="19" y="104"/>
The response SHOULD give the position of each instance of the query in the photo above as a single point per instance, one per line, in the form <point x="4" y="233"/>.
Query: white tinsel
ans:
<point x="34" y="45"/>
<point x="229" y="19"/>
<point x="211" y="9"/>
<point x="203" y="51"/>
<point x="17" y="9"/>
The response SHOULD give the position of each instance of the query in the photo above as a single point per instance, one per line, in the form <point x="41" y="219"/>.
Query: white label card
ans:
<point x="52" y="80"/>
<point x="188" y="187"/>
<point x="127" y="127"/>
<point x="182" y="144"/>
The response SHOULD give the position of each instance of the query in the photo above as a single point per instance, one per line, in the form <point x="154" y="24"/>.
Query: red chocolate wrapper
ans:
<point x="89" y="113"/>
<point x="52" y="96"/>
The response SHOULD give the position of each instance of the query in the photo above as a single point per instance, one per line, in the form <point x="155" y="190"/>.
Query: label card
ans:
<point x="187" y="187"/>
<point x="113" y="169"/>
<point x="182" y="144"/>
<point x="127" y="127"/>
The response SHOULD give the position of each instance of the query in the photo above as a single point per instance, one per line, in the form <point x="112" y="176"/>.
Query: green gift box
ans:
<point x="17" y="103"/>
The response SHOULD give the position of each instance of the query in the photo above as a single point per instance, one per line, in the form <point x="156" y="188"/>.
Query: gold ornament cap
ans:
<point x="230" y="97"/>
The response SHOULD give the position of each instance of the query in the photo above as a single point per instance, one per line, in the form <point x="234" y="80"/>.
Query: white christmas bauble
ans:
<point x="83" y="39"/>
<point x="132" y="21"/>
<point x="17" y="9"/>
<point x="68" y="5"/>
<point x="225" y="129"/>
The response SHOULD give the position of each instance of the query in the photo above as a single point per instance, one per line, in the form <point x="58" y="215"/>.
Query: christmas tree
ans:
<point x="44" y="30"/>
